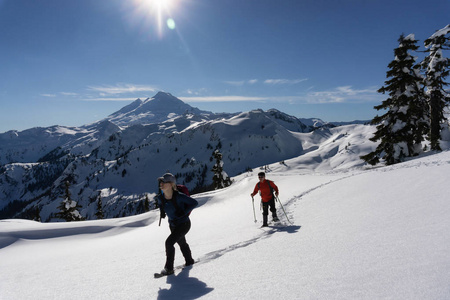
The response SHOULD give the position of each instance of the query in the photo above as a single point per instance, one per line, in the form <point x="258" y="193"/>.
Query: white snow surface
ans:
<point x="357" y="233"/>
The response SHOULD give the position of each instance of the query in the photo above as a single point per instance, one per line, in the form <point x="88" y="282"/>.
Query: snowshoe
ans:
<point x="164" y="272"/>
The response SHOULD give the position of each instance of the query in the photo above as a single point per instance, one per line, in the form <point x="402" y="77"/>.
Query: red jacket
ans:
<point x="263" y="187"/>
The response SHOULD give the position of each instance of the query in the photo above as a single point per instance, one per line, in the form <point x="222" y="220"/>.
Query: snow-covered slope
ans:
<point x="378" y="233"/>
<point x="122" y="170"/>
<point x="36" y="144"/>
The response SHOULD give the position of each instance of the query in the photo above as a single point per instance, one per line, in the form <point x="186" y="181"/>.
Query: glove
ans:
<point x="162" y="214"/>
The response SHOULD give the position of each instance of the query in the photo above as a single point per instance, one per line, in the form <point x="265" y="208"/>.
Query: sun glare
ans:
<point x="162" y="4"/>
<point x="156" y="14"/>
<point x="162" y="8"/>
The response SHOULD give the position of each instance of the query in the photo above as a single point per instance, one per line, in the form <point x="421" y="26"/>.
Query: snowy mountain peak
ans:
<point x="166" y="98"/>
<point x="153" y="110"/>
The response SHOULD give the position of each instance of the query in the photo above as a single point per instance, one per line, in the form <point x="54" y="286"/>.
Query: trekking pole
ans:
<point x="278" y="199"/>
<point x="253" y="204"/>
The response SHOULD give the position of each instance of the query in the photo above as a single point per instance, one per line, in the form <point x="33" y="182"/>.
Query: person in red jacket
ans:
<point x="266" y="189"/>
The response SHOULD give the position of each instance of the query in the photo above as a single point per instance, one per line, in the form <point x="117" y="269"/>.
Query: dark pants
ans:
<point x="266" y="205"/>
<point x="177" y="236"/>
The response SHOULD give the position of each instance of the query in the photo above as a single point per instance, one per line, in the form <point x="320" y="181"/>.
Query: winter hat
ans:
<point x="168" y="177"/>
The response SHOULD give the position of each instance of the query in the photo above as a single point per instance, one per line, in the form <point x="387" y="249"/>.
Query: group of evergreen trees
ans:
<point x="415" y="108"/>
<point x="69" y="209"/>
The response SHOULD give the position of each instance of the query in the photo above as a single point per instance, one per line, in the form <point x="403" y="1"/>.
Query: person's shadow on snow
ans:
<point x="184" y="287"/>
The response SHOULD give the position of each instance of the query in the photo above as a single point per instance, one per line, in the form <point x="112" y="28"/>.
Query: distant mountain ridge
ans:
<point x="117" y="159"/>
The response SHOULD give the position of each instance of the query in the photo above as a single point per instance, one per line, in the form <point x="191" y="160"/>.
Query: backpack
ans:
<point x="183" y="189"/>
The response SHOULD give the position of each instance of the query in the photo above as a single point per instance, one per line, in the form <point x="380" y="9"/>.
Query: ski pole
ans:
<point x="276" y="197"/>
<point x="253" y="204"/>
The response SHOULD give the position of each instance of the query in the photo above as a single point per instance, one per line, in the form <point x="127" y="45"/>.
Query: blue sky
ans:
<point x="72" y="63"/>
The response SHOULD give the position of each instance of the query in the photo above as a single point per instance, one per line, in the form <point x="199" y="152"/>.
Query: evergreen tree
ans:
<point x="37" y="216"/>
<point x="99" y="213"/>
<point x="220" y="178"/>
<point x="146" y="204"/>
<point x="436" y="69"/>
<point x="143" y="205"/>
<point x="404" y="123"/>
<point x="68" y="209"/>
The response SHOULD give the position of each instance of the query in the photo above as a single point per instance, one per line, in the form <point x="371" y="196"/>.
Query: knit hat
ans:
<point x="168" y="177"/>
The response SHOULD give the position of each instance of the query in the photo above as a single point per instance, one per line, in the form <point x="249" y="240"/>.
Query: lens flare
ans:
<point x="171" y="23"/>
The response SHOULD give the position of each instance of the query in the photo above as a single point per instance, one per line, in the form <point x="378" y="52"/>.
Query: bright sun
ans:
<point x="157" y="12"/>
<point x="162" y="4"/>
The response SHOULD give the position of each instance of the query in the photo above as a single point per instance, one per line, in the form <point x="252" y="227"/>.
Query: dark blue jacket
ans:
<point x="179" y="213"/>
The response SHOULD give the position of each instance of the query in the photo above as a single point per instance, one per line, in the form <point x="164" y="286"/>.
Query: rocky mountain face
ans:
<point x="115" y="162"/>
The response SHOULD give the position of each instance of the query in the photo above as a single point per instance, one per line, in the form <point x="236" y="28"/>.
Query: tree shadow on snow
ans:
<point x="184" y="287"/>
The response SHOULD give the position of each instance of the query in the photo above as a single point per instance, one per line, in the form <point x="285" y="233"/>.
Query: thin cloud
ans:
<point x="113" y="99"/>
<point x="59" y="94"/>
<point x="122" y="89"/>
<point x="242" y="82"/>
<point x="344" y="94"/>
<point x="223" y="99"/>
<point x="197" y="91"/>
<point x="266" y="81"/>
<point x="235" y="83"/>
<point x="284" y="81"/>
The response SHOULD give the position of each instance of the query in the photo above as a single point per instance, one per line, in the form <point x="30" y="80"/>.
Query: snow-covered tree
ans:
<point x="220" y="178"/>
<point x="436" y="70"/>
<point x="68" y="209"/>
<point x="402" y="127"/>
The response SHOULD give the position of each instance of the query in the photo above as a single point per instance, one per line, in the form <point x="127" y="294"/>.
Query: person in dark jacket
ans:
<point x="177" y="206"/>
<point x="266" y="189"/>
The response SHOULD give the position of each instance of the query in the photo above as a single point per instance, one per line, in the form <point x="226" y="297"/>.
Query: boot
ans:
<point x="265" y="221"/>
<point x="166" y="272"/>
<point x="189" y="262"/>
<point x="274" y="217"/>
